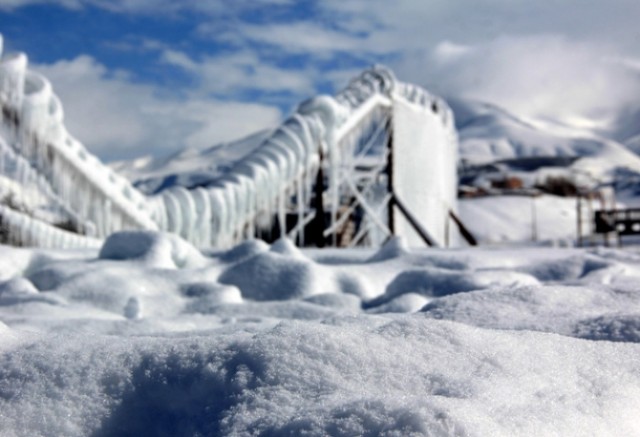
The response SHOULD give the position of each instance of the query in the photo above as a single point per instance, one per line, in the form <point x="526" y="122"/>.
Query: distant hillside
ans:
<point x="491" y="139"/>
<point x="190" y="167"/>
<point x="490" y="134"/>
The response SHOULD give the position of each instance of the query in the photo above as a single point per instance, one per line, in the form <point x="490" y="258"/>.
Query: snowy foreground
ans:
<point x="150" y="337"/>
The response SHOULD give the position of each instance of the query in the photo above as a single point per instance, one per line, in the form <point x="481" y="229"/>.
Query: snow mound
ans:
<point x="265" y="340"/>
<point x="404" y="303"/>
<point x="210" y="294"/>
<point x="284" y="246"/>
<point x="434" y="282"/>
<point x="610" y="327"/>
<point x="156" y="249"/>
<point x="568" y="310"/>
<point x="283" y="274"/>
<point x="393" y="248"/>
<point x="245" y="250"/>
<point x="17" y="286"/>
<point x="336" y="300"/>
<point x="350" y="376"/>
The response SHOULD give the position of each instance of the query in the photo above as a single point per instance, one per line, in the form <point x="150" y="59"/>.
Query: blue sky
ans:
<point x="152" y="76"/>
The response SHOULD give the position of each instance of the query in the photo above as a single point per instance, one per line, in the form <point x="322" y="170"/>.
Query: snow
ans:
<point x="489" y="133"/>
<point x="149" y="336"/>
<point x="142" y="333"/>
<point x="543" y="219"/>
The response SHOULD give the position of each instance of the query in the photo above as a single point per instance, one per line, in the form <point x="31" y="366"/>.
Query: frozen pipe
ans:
<point x="279" y="147"/>
<point x="124" y="197"/>
<point x="360" y="114"/>
<point x="218" y="215"/>
<point x="265" y="182"/>
<point x="286" y="180"/>
<point x="328" y="110"/>
<point x="278" y="167"/>
<point x="293" y="140"/>
<point x="263" y="196"/>
<point x="306" y="136"/>
<point x="265" y="170"/>
<point x="277" y="162"/>
<point x="312" y="145"/>
<point x="262" y="184"/>
<point x="229" y="212"/>
<point x="278" y="158"/>
<point x="28" y="231"/>
<point x="46" y="119"/>
<point x="158" y="212"/>
<point x="248" y="205"/>
<point x="286" y="136"/>
<point x="229" y="202"/>
<point x="271" y="183"/>
<point x="258" y="177"/>
<point x="187" y="212"/>
<point x="240" y="185"/>
<point x="172" y="207"/>
<point x="202" y="226"/>
<point x="293" y="131"/>
<point x="13" y="69"/>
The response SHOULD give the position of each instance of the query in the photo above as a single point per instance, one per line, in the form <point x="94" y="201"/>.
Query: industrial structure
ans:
<point x="375" y="160"/>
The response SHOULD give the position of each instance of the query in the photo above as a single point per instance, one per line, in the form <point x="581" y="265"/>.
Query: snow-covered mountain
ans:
<point x="489" y="133"/>
<point x="190" y="167"/>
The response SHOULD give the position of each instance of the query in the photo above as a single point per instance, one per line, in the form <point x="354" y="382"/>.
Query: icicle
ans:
<point x="219" y="216"/>
<point x="202" y="227"/>
<point x="187" y="208"/>
<point x="174" y="217"/>
<point x="231" y="213"/>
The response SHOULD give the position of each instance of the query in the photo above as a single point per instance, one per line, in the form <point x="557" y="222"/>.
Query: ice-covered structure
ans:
<point x="377" y="159"/>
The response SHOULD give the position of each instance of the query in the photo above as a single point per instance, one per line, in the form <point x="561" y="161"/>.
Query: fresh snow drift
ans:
<point x="149" y="336"/>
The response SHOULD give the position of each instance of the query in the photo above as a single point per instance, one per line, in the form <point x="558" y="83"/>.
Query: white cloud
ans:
<point x="154" y="7"/>
<point x="14" y="4"/>
<point x="546" y="59"/>
<point x="405" y="25"/>
<point x="241" y="71"/>
<point x="301" y="37"/>
<point x="539" y="76"/>
<point x="116" y="118"/>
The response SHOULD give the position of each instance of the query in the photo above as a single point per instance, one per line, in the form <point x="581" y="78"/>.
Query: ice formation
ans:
<point x="48" y="177"/>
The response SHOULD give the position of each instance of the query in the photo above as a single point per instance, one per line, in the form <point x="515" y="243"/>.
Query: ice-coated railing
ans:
<point x="31" y="123"/>
<point x="259" y="194"/>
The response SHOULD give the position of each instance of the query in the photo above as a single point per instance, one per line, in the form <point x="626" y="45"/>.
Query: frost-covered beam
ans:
<point x="31" y="123"/>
